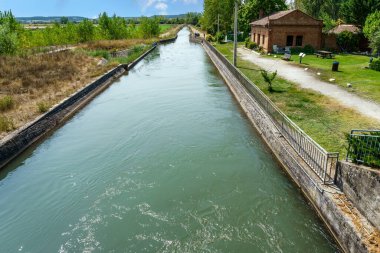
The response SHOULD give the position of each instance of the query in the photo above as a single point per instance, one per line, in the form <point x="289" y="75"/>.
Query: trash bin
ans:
<point x="335" y="66"/>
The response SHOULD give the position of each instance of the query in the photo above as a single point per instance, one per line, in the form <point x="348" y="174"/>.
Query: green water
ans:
<point x="162" y="161"/>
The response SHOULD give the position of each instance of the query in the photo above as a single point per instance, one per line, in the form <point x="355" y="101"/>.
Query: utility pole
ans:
<point x="235" y="31"/>
<point x="218" y="24"/>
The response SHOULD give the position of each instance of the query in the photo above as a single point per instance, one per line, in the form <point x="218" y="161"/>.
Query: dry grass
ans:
<point x="112" y="45"/>
<point x="44" y="79"/>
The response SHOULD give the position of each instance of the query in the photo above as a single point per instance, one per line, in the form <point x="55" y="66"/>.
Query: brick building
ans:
<point x="291" y="28"/>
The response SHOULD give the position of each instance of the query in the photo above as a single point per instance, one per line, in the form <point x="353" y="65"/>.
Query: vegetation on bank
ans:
<point x="326" y="121"/>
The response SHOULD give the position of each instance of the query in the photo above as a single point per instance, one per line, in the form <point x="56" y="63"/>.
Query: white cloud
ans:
<point x="161" y="5"/>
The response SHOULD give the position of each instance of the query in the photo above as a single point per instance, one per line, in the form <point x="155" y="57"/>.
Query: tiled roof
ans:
<point x="342" y="28"/>
<point x="277" y="15"/>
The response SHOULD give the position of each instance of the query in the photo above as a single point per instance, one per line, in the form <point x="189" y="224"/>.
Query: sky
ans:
<point x="91" y="8"/>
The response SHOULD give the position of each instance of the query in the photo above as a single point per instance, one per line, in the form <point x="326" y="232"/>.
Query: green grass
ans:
<point x="136" y="53"/>
<point x="352" y="69"/>
<point x="326" y="121"/>
<point x="165" y="27"/>
<point x="6" y="103"/>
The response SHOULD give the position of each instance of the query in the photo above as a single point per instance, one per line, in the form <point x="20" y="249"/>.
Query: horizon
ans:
<point x="92" y="8"/>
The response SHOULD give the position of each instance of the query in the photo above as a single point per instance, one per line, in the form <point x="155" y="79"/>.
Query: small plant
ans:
<point x="6" y="103"/>
<point x="42" y="107"/>
<point x="219" y="37"/>
<point x="269" y="78"/>
<point x="210" y="38"/>
<point x="6" y="124"/>
<point x="100" y="53"/>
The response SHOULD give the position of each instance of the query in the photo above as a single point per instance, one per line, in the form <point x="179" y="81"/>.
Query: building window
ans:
<point x="254" y="37"/>
<point x="263" y="39"/>
<point x="258" y="39"/>
<point x="289" y="41"/>
<point x="299" y="40"/>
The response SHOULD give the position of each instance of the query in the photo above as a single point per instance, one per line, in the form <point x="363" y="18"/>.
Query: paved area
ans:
<point x="307" y="80"/>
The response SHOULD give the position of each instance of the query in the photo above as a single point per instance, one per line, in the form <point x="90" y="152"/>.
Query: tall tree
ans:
<point x="356" y="11"/>
<point x="214" y="8"/>
<point x="250" y="11"/>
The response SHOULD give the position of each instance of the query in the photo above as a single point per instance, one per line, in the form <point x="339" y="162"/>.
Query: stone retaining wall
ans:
<point x="351" y="229"/>
<point x="361" y="185"/>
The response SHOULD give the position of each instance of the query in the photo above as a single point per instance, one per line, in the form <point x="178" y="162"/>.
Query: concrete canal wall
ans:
<point x="351" y="229"/>
<point x="15" y="143"/>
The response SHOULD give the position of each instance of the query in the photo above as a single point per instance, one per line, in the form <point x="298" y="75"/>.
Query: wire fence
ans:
<point x="323" y="163"/>
<point x="364" y="147"/>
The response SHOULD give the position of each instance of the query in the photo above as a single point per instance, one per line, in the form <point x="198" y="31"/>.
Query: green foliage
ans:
<point x="43" y="107"/>
<point x="365" y="149"/>
<point x="149" y="27"/>
<point x="192" y="18"/>
<point x="100" y="53"/>
<point x="6" y="124"/>
<point x="249" y="44"/>
<point x="219" y="37"/>
<point x="210" y="38"/>
<point x="64" y="20"/>
<point x="214" y="8"/>
<point x="375" y="42"/>
<point x="308" y="49"/>
<point x="348" y="41"/>
<point x="375" y="65"/>
<point x="8" y="41"/>
<point x="268" y="78"/>
<point x="372" y="24"/>
<point x="356" y="11"/>
<point x="250" y="10"/>
<point x="86" y="31"/>
<point x="6" y="103"/>
<point x="113" y="28"/>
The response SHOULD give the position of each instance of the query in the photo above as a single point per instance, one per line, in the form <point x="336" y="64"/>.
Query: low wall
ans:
<point x="351" y="229"/>
<point x="361" y="185"/>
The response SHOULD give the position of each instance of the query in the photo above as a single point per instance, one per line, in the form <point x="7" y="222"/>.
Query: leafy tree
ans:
<point x="113" y="28"/>
<point x="356" y="11"/>
<point x="375" y="43"/>
<point x="64" y="20"/>
<point x="214" y="8"/>
<point x="250" y="11"/>
<point x="372" y="24"/>
<point x="8" y="41"/>
<point x="149" y="27"/>
<point x="86" y="31"/>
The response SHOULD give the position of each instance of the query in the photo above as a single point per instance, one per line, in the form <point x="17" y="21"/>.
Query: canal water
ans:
<point x="162" y="161"/>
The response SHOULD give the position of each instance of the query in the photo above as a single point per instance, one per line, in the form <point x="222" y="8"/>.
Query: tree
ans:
<point x="214" y="8"/>
<point x="375" y="43"/>
<point x="372" y="25"/>
<point x="250" y="11"/>
<point x="86" y="30"/>
<point x="356" y="11"/>
<point x="149" y="27"/>
<point x="8" y="41"/>
<point x="348" y="41"/>
<point x="269" y="78"/>
<point x="64" y="20"/>
<point x="113" y="28"/>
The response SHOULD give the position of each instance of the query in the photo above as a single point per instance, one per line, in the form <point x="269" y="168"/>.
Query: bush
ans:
<point x="219" y="37"/>
<point x="8" y="41"/>
<point x="6" y="124"/>
<point x="6" y="103"/>
<point x="210" y="38"/>
<point x="100" y="53"/>
<point x="348" y="41"/>
<point x="308" y="49"/>
<point x="296" y="50"/>
<point x="43" y="107"/>
<point x="375" y="65"/>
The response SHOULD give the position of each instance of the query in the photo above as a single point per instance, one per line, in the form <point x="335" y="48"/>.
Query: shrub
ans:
<point x="42" y="107"/>
<point x="6" y="124"/>
<point x="247" y="41"/>
<point x="269" y="78"/>
<point x="210" y="38"/>
<point x="348" y="41"/>
<point x="219" y="37"/>
<point x="8" y="41"/>
<point x="100" y="53"/>
<point x="6" y="103"/>
<point x="375" y="65"/>
<point x="296" y="50"/>
<point x="308" y="49"/>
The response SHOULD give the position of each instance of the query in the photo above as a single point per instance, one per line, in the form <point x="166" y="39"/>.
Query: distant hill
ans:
<point x="52" y="19"/>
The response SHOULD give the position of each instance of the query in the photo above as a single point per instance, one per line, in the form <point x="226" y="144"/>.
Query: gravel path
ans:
<point x="306" y="80"/>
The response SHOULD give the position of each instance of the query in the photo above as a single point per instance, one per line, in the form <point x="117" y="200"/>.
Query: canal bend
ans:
<point x="162" y="161"/>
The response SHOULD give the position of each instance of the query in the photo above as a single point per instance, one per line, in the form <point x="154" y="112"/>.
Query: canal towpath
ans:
<point x="307" y="80"/>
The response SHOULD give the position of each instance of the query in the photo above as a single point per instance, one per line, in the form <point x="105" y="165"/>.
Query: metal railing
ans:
<point x="323" y="163"/>
<point x="364" y="147"/>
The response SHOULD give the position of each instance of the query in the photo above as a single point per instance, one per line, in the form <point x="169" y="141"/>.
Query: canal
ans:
<point x="162" y="161"/>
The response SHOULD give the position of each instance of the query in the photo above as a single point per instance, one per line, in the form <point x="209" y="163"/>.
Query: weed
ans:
<point x="6" y="124"/>
<point x="6" y="103"/>
<point x="43" y="107"/>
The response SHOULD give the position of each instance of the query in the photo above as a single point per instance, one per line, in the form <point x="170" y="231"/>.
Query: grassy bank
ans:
<point x="352" y="69"/>
<point x="323" y="119"/>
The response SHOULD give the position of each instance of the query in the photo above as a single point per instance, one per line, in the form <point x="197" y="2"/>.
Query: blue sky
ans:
<point x="91" y="8"/>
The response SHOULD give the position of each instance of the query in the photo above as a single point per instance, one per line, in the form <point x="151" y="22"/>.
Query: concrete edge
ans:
<point x="349" y="228"/>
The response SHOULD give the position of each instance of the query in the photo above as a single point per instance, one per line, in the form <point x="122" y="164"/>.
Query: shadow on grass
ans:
<point x="248" y="68"/>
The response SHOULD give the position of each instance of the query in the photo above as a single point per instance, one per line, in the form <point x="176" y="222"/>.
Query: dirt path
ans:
<point x="308" y="81"/>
